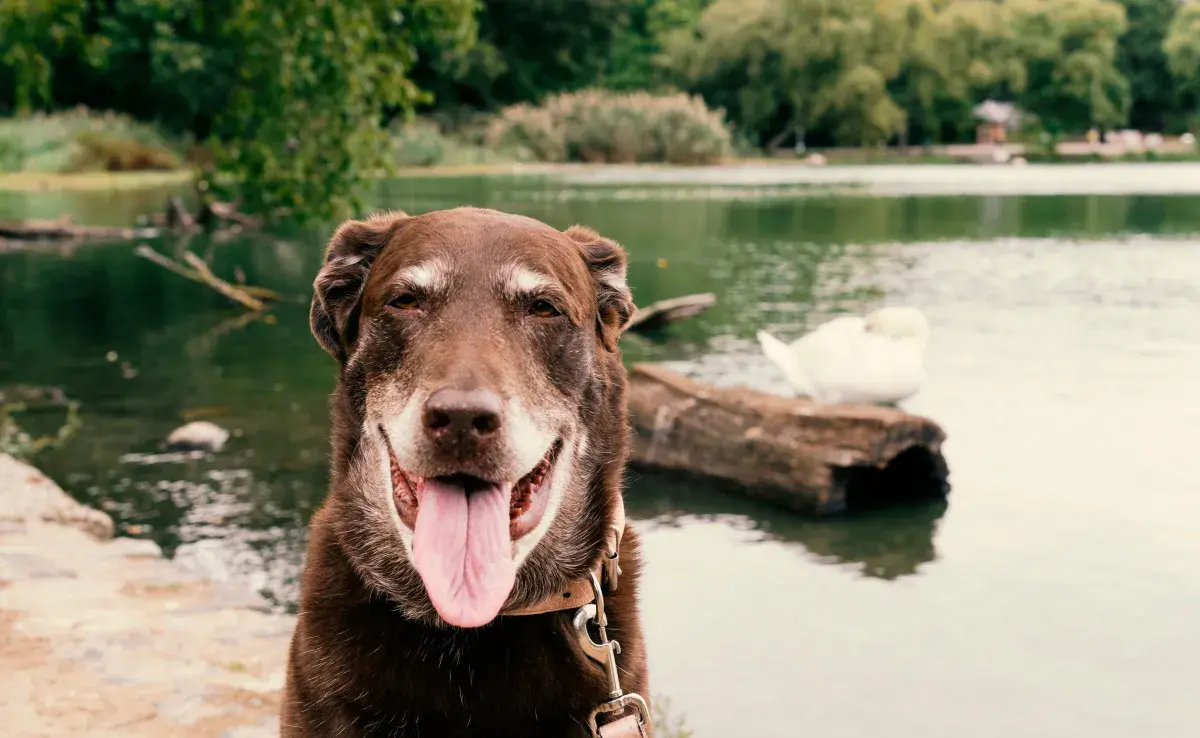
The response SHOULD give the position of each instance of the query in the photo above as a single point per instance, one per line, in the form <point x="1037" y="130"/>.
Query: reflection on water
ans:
<point x="1053" y="596"/>
<point x="886" y="544"/>
<point x="91" y="207"/>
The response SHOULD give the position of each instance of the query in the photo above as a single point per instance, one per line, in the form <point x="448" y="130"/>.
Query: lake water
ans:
<point x="1057" y="593"/>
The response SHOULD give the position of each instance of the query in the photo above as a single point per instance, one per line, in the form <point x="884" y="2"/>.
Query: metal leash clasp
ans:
<point x="605" y="653"/>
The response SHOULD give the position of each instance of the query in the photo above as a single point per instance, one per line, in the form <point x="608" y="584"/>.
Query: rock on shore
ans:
<point x="103" y="637"/>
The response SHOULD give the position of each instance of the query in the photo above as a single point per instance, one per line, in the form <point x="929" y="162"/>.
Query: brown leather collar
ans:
<point x="579" y="592"/>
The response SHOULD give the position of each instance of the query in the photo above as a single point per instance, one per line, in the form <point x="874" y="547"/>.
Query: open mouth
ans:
<point x="526" y="503"/>
<point x="463" y="534"/>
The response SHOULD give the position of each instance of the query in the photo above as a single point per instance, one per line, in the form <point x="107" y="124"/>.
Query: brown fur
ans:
<point x="370" y="656"/>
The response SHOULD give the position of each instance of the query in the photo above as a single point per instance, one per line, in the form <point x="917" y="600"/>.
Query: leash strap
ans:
<point x="626" y="727"/>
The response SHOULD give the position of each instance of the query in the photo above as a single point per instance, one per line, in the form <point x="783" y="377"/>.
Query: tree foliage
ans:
<point x="1142" y="59"/>
<point x="776" y="65"/>
<point x="290" y="96"/>
<point x="32" y="34"/>
<point x="1182" y="47"/>
<point x="863" y="71"/>
<point x="326" y="71"/>
<point x="634" y="61"/>
<point x="527" y="49"/>
<point x="1069" y="48"/>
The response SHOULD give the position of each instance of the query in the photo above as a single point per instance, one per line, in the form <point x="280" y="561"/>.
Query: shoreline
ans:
<point x="835" y="169"/>
<point x="91" y="181"/>
<point x="103" y="636"/>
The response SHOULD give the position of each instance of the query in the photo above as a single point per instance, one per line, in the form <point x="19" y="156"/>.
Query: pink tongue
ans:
<point x="463" y="552"/>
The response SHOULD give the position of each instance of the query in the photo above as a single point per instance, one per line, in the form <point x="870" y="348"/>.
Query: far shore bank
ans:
<point x="846" y="161"/>
<point x="47" y="181"/>
<point x="735" y="178"/>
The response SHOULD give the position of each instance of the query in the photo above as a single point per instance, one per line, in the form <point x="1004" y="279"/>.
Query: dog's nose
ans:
<point x="462" y="420"/>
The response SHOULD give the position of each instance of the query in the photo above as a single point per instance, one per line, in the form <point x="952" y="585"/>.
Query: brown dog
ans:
<point x="479" y="436"/>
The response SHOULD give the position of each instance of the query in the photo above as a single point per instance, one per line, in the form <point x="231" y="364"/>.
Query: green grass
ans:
<point x="39" y="181"/>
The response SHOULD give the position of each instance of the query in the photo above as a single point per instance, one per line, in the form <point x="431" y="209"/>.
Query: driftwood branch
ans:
<point x="178" y="218"/>
<point x="263" y="293"/>
<point x="237" y="294"/>
<point x="214" y="216"/>
<point x="170" y="265"/>
<point x="674" y="310"/>
<point x="250" y="298"/>
<point x="217" y="211"/>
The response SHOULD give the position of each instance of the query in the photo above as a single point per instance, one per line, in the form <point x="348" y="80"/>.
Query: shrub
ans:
<point x="602" y="126"/>
<point x="531" y="131"/>
<point x="12" y="157"/>
<point x="428" y="142"/>
<point x="418" y="144"/>
<point x="107" y="153"/>
<point x="81" y="139"/>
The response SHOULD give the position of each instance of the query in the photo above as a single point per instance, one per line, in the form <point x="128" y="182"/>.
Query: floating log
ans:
<point x="815" y="459"/>
<point x="63" y="229"/>
<point x="176" y="219"/>
<point x="674" y="310"/>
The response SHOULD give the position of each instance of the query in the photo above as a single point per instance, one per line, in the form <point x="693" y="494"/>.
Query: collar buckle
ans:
<point x="604" y="652"/>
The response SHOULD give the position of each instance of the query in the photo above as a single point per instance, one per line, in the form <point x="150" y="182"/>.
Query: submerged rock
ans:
<point x="199" y="435"/>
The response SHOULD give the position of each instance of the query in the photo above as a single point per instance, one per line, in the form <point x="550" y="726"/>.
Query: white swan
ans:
<point x="877" y="359"/>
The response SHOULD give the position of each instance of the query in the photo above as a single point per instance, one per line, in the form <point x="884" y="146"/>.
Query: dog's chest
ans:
<point x="518" y="681"/>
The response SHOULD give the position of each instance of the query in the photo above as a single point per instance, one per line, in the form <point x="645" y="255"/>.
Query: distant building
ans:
<point x="996" y="118"/>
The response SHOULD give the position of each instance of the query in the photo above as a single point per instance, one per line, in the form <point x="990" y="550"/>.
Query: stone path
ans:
<point x="104" y="637"/>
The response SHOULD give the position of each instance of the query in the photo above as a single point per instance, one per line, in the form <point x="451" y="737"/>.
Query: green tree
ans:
<point x="302" y="125"/>
<point x="779" y="65"/>
<point x="526" y="49"/>
<point x="1182" y="49"/>
<point x="732" y="57"/>
<point x="178" y="51"/>
<point x="32" y="33"/>
<point x="291" y="96"/>
<point x="1141" y="58"/>
<point x="961" y="52"/>
<point x="1070" y="52"/>
<point x="634" y="62"/>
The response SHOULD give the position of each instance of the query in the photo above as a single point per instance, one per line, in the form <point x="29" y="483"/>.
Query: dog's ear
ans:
<point x="607" y="262"/>
<point x="337" y="290"/>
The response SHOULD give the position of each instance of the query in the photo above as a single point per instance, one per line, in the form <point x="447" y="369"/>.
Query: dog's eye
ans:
<point x="406" y="301"/>
<point x="544" y="309"/>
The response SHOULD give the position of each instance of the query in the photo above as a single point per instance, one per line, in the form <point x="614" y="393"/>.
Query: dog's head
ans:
<point x="479" y="420"/>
